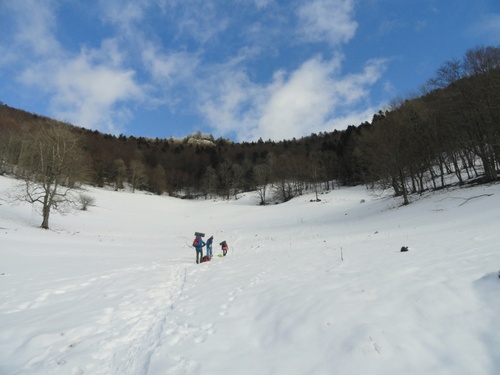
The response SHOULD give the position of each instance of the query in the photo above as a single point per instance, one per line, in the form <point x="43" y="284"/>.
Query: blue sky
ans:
<point x="240" y="69"/>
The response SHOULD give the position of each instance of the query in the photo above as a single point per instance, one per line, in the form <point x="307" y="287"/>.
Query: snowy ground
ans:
<point x="115" y="290"/>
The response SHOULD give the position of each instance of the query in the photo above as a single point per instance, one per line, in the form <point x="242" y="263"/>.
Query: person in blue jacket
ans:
<point x="209" y="246"/>
<point x="198" y="245"/>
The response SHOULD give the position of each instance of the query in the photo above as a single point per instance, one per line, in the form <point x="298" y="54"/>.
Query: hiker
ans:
<point x="198" y="244"/>
<point x="209" y="247"/>
<point x="224" y="248"/>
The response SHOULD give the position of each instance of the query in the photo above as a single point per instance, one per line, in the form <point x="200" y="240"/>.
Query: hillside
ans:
<point x="410" y="147"/>
<point x="306" y="288"/>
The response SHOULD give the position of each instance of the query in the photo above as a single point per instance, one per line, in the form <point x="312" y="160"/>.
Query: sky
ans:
<point x="306" y="287"/>
<point x="239" y="69"/>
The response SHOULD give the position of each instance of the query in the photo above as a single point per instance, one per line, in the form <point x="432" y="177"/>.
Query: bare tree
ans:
<point x="261" y="176"/>
<point x="238" y="177"/>
<point x="121" y="173"/>
<point x="386" y="146"/>
<point x="158" y="180"/>
<point x="209" y="184"/>
<point x="472" y="88"/>
<point x="137" y="174"/>
<point x="315" y="171"/>
<point x="50" y="164"/>
<point x="9" y="150"/>
<point x="226" y="177"/>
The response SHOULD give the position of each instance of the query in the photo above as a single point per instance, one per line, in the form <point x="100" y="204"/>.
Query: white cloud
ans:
<point x="262" y="3"/>
<point x="328" y="21"/>
<point x="35" y="23"/>
<point x="171" y="76"/>
<point x="171" y="67"/>
<point x="195" y="20"/>
<point x="88" y="89"/>
<point x="313" y="98"/>
<point x="140" y="65"/>
<point x="230" y="101"/>
<point x="299" y="102"/>
<point x="122" y="13"/>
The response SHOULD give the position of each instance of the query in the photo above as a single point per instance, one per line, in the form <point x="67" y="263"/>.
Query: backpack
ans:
<point x="205" y="259"/>
<point x="196" y="240"/>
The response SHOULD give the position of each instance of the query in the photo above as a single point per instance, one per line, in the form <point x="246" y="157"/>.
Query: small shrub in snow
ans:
<point x="85" y="201"/>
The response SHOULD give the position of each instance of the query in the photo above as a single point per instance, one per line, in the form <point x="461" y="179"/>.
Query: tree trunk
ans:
<point x="45" y="216"/>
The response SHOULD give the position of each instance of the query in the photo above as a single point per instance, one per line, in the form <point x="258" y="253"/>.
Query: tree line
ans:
<point x="452" y="128"/>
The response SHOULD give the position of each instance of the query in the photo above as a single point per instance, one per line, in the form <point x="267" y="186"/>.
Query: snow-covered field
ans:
<point x="306" y="288"/>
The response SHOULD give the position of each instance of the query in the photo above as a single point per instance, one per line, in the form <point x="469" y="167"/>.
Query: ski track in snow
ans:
<point x="145" y="320"/>
<point x="128" y="331"/>
<point x="234" y="294"/>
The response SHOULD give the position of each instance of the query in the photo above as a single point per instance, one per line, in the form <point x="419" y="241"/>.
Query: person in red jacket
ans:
<point x="225" y="247"/>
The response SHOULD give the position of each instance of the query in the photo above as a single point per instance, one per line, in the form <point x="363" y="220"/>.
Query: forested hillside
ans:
<point x="452" y="126"/>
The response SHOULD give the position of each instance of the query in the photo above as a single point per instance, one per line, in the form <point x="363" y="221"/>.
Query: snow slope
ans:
<point x="306" y="288"/>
